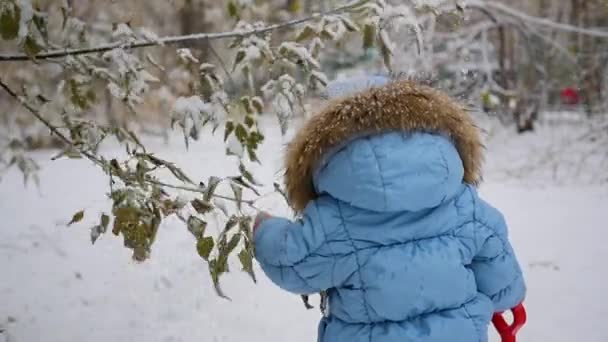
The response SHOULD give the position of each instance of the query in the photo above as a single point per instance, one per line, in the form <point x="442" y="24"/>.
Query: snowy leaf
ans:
<point x="95" y="233"/>
<point x="105" y="221"/>
<point x="234" y="146"/>
<point x="238" y="194"/>
<point x="204" y="246"/>
<point x="77" y="217"/>
<point x="233" y="10"/>
<point x="240" y="56"/>
<point x="10" y="18"/>
<point x="228" y="129"/>
<point x="201" y="207"/>
<point x="231" y="223"/>
<point x="306" y="33"/>
<point x="247" y="175"/>
<point x="246" y="260"/>
<point x="196" y="226"/>
<point x="369" y="36"/>
<point x="31" y="47"/>
<point x="211" y="187"/>
<point x="186" y="56"/>
<point x="148" y="35"/>
<point x="349" y="24"/>
<point x="258" y="104"/>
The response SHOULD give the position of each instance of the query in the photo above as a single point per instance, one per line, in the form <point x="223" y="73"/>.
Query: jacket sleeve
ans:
<point x="297" y="256"/>
<point x="497" y="271"/>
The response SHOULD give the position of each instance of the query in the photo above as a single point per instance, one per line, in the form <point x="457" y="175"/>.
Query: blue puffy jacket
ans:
<point x="392" y="228"/>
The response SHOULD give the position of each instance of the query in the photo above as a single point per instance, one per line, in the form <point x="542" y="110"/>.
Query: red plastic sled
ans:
<point x="507" y="332"/>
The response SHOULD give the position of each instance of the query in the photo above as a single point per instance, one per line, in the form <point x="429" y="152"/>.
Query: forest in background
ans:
<point x="75" y="74"/>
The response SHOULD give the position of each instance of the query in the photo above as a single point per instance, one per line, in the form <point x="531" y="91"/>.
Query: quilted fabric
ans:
<point x="406" y="250"/>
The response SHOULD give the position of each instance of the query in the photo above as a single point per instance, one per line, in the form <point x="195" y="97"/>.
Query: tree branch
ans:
<point x="538" y="21"/>
<point x="47" y="123"/>
<point x="98" y="161"/>
<point x="197" y="190"/>
<point x="142" y="43"/>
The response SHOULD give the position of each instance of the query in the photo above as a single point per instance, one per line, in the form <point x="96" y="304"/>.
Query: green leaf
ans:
<point x="306" y="33"/>
<point x="241" y="133"/>
<point x="204" y="247"/>
<point x="241" y="181"/>
<point x="216" y="269"/>
<point x="232" y="244"/>
<point x="79" y="98"/>
<point x="233" y="10"/>
<point x="248" y="176"/>
<point x="258" y="104"/>
<point x="238" y="194"/>
<point x="31" y="46"/>
<point x="349" y="24"/>
<point x="41" y="23"/>
<point x="240" y="56"/>
<point x="99" y="229"/>
<point x="211" y="187"/>
<point x="246" y="260"/>
<point x="246" y="102"/>
<point x="105" y="221"/>
<point x="201" y="207"/>
<point x="231" y="223"/>
<point x="9" y="20"/>
<point x="294" y="6"/>
<point x="249" y="121"/>
<point x="196" y="226"/>
<point x="385" y="49"/>
<point x="278" y="189"/>
<point x="77" y="217"/>
<point x="369" y="36"/>
<point x="228" y="129"/>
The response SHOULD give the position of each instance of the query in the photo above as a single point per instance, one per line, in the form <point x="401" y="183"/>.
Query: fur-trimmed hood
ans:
<point x="399" y="106"/>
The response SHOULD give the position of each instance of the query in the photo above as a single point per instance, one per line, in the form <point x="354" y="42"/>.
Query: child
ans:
<point x="392" y="227"/>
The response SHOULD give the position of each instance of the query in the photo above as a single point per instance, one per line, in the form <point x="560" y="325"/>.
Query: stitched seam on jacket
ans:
<point x="302" y="278"/>
<point x="362" y="284"/>
<point x="470" y="317"/>
<point x="283" y="250"/>
<point x="326" y="242"/>
<point x="415" y="317"/>
<point x="518" y="276"/>
<point x="518" y="273"/>
<point x="373" y="148"/>
<point x="445" y="165"/>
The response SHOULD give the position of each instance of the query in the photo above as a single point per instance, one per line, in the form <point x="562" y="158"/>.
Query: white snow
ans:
<point x="56" y="287"/>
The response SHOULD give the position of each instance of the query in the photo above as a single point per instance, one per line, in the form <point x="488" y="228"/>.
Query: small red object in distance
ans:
<point x="508" y="332"/>
<point x="569" y="96"/>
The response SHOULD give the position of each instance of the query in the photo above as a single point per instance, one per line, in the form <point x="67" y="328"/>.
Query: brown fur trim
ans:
<point x="403" y="106"/>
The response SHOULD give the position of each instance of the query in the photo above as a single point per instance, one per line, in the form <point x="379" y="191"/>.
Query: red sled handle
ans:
<point x="507" y="332"/>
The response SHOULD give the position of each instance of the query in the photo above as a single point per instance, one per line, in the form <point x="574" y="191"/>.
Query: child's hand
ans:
<point x="260" y="217"/>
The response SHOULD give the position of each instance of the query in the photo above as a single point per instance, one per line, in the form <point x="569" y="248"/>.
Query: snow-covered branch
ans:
<point x="544" y="22"/>
<point x="142" y="43"/>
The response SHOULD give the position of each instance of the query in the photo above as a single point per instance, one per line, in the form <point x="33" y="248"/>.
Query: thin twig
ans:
<point x="141" y="43"/>
<point x="198" y="190"/>
<point x="538" y="21"/>
<point x="222" y="64"/>
<point x="47" y="123"/>
<point x="98" y="161"/>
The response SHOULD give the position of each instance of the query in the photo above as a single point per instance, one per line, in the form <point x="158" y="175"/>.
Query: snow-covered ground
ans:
<point x="56" y="287"/>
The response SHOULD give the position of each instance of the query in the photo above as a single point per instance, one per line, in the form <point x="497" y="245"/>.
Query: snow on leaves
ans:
<point x="287" y="96"/>
<point x="140" y="198"/>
